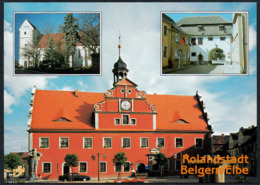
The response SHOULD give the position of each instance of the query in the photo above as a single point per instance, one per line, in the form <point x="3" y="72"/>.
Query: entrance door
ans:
<point x="140" y="168"/>
<point x="200" y="58"/>
<point x="66" y="169"/>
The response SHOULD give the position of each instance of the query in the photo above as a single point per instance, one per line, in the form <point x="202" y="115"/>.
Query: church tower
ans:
<point x="120" y="69"/>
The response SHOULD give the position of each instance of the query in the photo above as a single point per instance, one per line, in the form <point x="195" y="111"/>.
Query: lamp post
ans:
<point x="93" y="158"/>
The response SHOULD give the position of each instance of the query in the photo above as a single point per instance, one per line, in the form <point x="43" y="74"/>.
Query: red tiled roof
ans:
<point x="52" y="105"/>
<point x="22" y="155"/>
<point x="57" y="38"/>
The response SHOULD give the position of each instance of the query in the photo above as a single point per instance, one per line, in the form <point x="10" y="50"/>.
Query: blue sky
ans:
<point x="230" y="100"/>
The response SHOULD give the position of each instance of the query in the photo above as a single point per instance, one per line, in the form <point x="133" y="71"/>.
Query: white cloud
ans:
<point x="9" y="100"/>
<point x="252" y="38"/>
<point x="67" y="88"/>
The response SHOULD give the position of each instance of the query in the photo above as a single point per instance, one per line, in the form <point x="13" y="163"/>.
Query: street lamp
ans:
<point x="93" y="158"/>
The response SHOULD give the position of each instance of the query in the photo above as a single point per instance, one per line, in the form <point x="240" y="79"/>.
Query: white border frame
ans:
<point x="43" y="167"/>
<point x="77" y="12"/>
<point x="40" y="142"/>
<point x="100" y="167"/>
<point x="122" y="138"/>
<point x="84" y="143"/>
<point x="79" y="166"/>
<point x="141" y="142"/>
<point x="60" y="142"/>
<point x="175" y="146"/>
<point x="195" y="141"/>
<point x="157" y="142"/>
<point x="104" y="142"/>
<point x="220" y="12"/>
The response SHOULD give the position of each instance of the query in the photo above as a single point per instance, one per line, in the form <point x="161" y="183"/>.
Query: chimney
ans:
<point x="76" y="93"/>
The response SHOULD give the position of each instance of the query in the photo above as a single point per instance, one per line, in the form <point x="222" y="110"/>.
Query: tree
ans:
<point x="71" y="160"/>
<point x="70" y="29"/>
<point x="89" y="26"/>
<point x="161" y="160"/>
<point x="119" y="159"/>
<point x="31" y="50"/>
<point x="12" y="161"/>
<point x="49" y="53"/>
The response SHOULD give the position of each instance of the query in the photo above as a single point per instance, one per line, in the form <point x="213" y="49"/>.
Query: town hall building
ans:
<point x="123" y="119"/>
<point x="30" y="36"/>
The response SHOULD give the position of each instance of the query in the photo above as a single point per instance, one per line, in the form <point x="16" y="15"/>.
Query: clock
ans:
<point x="125" y="105"/>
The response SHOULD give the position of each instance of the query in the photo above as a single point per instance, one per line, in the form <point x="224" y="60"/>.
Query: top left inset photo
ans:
<point x="60" y="43"/>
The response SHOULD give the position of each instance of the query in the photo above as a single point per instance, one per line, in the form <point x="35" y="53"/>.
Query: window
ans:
<point x="25" y="44"/>
<point x="177" y="38"/>
<point x="126" y="143"/>
<point x="165" y="30"/>
<point x="210" y="38"/>
<point x="193" y="54"/>
<point x="122" y="90"/>
<point x="87" y="142"/>
<point x="164" y="51"/>
<point x="46" y="168"/>
<point x="64" y="142"/>
<point x="133" y="121"/>
<point x="221" y="28"/>
<point x="177" y="164"/>
<point x="107" y="142"/>
<point x="117" y="121"/>
<point x="44" y="142"/>
<point x="200" y="40"/>
<point x="193" y="41"/>
<point x="83" y="167"/>
<point x="178" y="142"/>
<point x="200" y="28"/>
<point x="198" y="142"/>
<point x="129" y="91"/>
<point x="160" y="142"/>
<point x="103" y="166"/>
<point x="222" y="38"/>
<point x="144" y="143"/>
<point x="127" y="167"/>
<point x="125" y="119"/>
<point x="117" y="167"/>
<point x="25" y="33"/>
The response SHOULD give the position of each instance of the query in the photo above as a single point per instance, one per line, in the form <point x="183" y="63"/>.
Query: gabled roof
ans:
<point x="174" y="25"/>
<point x="220" y="140"/>
<point x="247" y="131"/>
<point x="195" y="20"/>
<point x="126" y="81"/>
<point x="234" y="135"/>
<point x="22" y="155"/>
<point x="48" y="104"/>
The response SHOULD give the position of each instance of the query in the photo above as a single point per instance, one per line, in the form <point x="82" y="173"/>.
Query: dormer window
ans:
<point x="62" y="119"/>
<point x="221" y="28"/>
<point x="181" y="121"/>
<point x="200" y="28"/>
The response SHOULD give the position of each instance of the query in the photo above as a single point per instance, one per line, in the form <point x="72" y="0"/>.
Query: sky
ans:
<point x="230" y="100"/>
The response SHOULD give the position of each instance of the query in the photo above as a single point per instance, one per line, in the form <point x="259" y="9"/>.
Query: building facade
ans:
<point x="175" y="45"/>
<point x="239" y="40"/>
<point x="30" y="36"/>
<point x="123" y="119"/>
<point x="210" y="38"/>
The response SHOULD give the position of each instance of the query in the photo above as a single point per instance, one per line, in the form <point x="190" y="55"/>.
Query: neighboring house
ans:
<point x="20" y="171"/>
<point x="175" y="45"/>
<point x="210" y="38"/>
<point x="29" y="34"/>
<point x="123" y="119"/>
<point x="239" y="46"/>
<point x="233" y="144"/>
<point x="220" y="144"/>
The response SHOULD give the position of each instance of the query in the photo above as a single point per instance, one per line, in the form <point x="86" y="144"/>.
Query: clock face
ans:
<point x="125" y="105"/>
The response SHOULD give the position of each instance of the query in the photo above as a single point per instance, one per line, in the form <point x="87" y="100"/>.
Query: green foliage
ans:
<point x="12" y="161"/>
<point x="70" y="29"/>
<point x="161" y="160"/>
<point x="71" y="160"/>
<point x="49" y="53"/>
<point x="120" y="159"/>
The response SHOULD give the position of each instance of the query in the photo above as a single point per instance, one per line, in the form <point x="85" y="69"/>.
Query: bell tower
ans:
<point x="120" y="69"/>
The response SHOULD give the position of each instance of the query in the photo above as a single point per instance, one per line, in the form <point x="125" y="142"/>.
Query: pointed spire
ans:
<point x="119" y="45"/>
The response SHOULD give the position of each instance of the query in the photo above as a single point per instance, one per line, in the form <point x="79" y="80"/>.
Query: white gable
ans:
<point x="26" y="26"/>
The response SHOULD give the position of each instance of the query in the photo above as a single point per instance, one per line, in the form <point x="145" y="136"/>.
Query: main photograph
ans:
<point x="131" y="124"/>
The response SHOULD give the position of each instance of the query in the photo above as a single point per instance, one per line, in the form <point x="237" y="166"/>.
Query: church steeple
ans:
<point x="120" y="69"/>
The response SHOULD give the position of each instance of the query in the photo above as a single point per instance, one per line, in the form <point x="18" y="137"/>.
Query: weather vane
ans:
<point x="119" y="45"/>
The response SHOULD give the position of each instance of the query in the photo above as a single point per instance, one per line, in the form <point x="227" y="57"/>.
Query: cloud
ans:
<point x="252" y="38"/>
<point x="9" y="100"/>
<point x="67" y="88"/>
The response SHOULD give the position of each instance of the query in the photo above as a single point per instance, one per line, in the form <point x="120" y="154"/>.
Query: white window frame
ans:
<point x="157" y="142"/>
<point x="40" y="142"/>
<point x="104" y="142"/>
<point x="123" y="119"/>
<point x="122" y="142"/>
<point x="201" y="142"/>
<point x="117" y="119"/>
<point x="219" y="28"/>
<point x="222" y="37"/>
<point x="129" y="167"/>
<point x="141" y="142"/>
<point x="131" y="121"/>
<point x="60" y="142"/>
<point x="182" y="142"/>
<point x="100" y="166"/>
<point x="200" y="38"/>
<point x="43" y="167"/>
<point x="84" y="143"/>
<point x="86" y="166"/>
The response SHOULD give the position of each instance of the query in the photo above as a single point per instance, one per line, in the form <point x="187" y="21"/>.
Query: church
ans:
<point x="30" y="36"/>
<point x="96" y="126"/>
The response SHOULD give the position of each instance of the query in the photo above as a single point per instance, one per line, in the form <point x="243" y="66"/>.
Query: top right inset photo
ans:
<point x="214" y="43"/>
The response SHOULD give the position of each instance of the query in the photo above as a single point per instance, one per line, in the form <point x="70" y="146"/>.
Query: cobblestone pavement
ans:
<point x="201" y="69"/>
